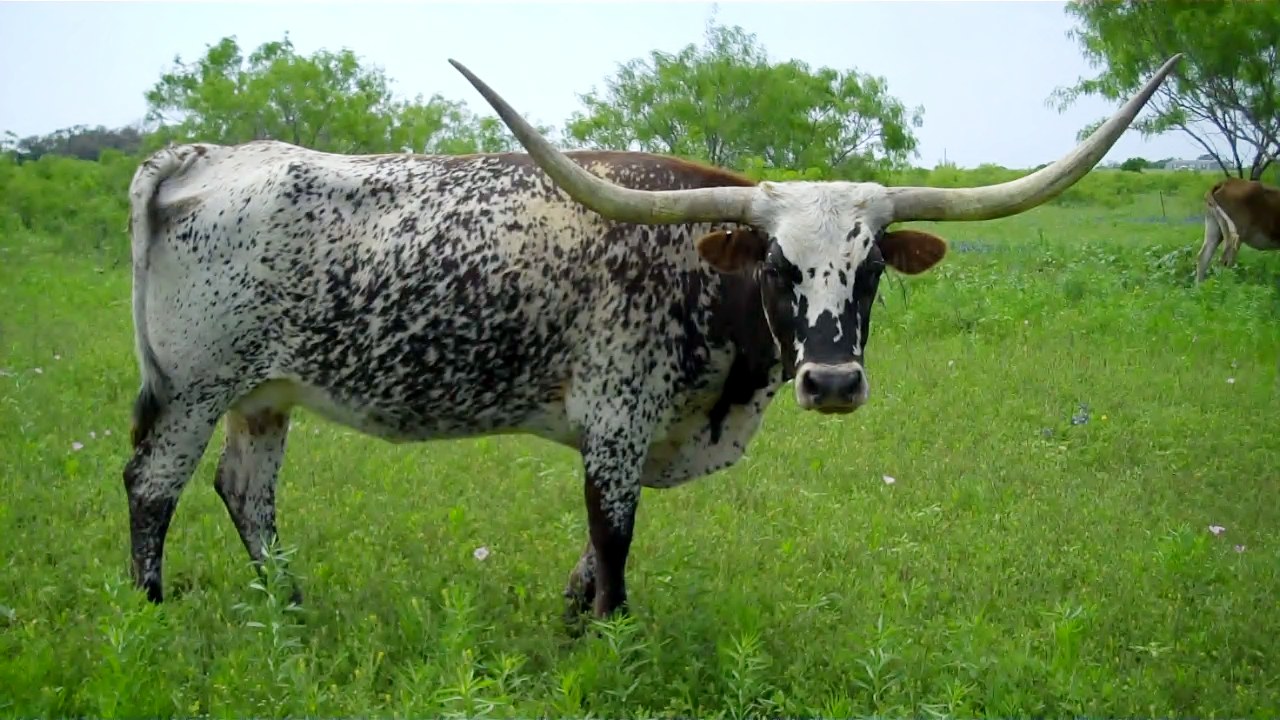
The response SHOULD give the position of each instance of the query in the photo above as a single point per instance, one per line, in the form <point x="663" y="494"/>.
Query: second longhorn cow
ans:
<point x="1236" y="211"/>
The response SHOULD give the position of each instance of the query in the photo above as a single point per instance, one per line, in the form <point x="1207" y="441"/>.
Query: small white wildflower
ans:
<point x="38" y="371"/>
<point x="77" y="445"/>
<point x="57" y="357"/>
<point x="93" y="435"/>
<point x="1239" y="548"/>
<point x="106" y="433"/>
<point x="1217" y="529"/>
<point x="1231" y="381"/>
<point x="889" y="480"/>
<point x="481" y="552"/>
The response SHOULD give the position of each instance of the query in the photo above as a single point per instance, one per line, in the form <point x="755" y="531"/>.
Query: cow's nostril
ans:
<point x="809" y="385"/>
<point x="842" y="386"/>
<point x="853" y="384"/>
<point x="827" y="386"/>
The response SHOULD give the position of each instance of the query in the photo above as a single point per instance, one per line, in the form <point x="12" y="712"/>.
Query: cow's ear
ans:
<point x="912" y="252"/>
<point x="729" y="251"/>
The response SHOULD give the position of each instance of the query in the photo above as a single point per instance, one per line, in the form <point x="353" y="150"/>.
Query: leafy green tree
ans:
<point x="727" y="104"/>
<point x="86" y="143"/>
<point x="83" y="203"/>
<point x="1226" y="91"/>
<point x="1135" y="164"/>
<point x="327" y="101"/>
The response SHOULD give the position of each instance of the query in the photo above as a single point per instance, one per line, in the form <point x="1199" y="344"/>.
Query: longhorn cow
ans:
<point x="640" y="309"/>
<point x="1236" y="211"/>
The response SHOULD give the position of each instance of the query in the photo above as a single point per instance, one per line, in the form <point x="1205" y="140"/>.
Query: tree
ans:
<point x="725" y="103"/>
<point x="326" y="101"/>
<point x="1135" y="164"/>
<point x="1226" y="92"/>
<point x="86" y="143"/>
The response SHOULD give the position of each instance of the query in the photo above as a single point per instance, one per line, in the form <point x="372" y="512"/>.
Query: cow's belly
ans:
<point x="408" y="371"/>
<point x="401" y="419"/>
<point x="1260" y="241"/>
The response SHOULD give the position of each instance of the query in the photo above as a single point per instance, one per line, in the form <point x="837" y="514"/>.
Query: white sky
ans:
<point x="982" y="70"/>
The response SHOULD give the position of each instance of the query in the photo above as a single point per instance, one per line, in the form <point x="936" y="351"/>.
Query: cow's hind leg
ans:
<point x="1212" y="237"/>
<point x="1231" y="243"/>
<point x="169" y="439"/>
<point x="246" y="479"/>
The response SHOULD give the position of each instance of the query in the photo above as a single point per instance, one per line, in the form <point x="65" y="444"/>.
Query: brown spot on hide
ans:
<point x="636" y="170"/>
<point x="561" y="391"/>
<point x="146" y="410"/>
<point x="258" y="423"/>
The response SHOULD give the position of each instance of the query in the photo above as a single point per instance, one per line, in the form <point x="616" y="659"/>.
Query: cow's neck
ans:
<point x="755" y="357"/>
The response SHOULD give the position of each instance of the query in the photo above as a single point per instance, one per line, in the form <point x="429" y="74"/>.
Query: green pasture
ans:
<point x="1018" y="524"/>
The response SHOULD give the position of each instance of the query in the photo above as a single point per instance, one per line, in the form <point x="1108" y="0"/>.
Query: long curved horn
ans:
<point x="1015" y="196"/>
<point x="658" y="207"/>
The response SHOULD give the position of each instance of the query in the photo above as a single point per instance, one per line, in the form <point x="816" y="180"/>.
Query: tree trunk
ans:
<point x="1259" y="168"/>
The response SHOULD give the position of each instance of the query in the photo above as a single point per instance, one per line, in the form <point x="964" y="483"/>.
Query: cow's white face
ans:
<point x="818" y="254"/>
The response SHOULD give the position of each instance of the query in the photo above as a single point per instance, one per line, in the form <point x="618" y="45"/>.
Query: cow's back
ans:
<point x="415" y="296"/>
<point x="424" y="296"/>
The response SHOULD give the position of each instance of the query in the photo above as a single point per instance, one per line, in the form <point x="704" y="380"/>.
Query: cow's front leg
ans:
<point x="611" y="458"/>
<point x="581" y="588"/>
<point x="246" y="481"/>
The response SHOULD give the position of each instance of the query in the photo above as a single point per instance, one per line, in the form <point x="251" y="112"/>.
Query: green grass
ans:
<point x="1020" y="564"/>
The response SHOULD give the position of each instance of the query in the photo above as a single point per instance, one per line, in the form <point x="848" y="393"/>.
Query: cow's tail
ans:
<point x="1224" y="220"/>
<point x="1211" y="195"/>
<point x="164" y="164"/>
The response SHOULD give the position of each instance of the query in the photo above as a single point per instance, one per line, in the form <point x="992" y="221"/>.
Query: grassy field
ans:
<point x="1062" y="500"/>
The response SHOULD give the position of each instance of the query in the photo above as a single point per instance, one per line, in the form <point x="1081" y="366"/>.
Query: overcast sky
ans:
<point x="982" y="70"/>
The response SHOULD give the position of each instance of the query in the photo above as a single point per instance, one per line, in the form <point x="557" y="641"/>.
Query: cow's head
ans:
<point x="818" y="259"/>
<point x="819" y="248"/>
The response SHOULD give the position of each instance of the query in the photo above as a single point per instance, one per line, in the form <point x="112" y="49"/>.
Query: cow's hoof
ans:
<point x="179" y="588"/>
<point x="579" y="624"/>
<point x="577" y="612"/>
<point x="619" y="612"/>
<point x="595" y="623"/>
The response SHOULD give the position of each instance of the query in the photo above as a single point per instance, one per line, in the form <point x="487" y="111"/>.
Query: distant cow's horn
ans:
<point x="1015" y="196"/>
<point x="663" y="207"/>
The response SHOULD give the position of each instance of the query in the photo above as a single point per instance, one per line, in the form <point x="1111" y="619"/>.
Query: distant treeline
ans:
<point x="83" y="204"/>
<point x="723" y="102"/>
